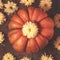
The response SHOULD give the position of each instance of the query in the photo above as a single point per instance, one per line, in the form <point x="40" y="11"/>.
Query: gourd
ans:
<point x="30" y="30"/>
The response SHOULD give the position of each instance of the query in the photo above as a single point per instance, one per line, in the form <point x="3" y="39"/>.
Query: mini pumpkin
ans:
<point x="30" y="30"/>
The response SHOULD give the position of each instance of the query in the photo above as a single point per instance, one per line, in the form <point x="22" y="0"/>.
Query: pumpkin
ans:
<point x="30" y="30"/>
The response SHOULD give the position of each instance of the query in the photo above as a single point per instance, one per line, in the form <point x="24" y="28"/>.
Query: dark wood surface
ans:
<point x="48" y="49"/>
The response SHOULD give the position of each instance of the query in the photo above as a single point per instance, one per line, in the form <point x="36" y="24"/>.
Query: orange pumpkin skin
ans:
<point x="31" y="45"/>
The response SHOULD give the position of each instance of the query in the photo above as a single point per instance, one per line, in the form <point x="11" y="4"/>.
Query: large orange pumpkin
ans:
<point x="30" y="30"/>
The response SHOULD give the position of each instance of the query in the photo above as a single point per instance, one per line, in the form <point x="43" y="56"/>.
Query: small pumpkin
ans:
<point x="30" y="30"/>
